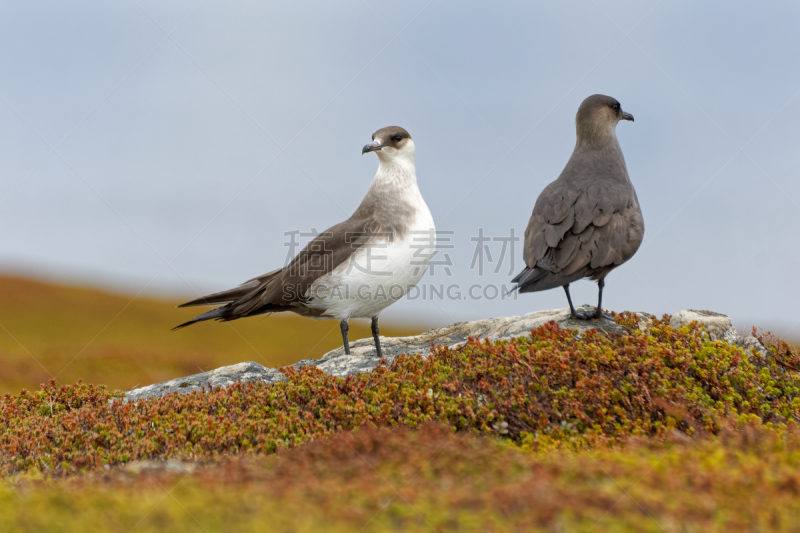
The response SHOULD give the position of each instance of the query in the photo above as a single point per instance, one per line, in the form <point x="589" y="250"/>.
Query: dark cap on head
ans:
<point x="598" y="107"/>
<point x="391" y="136"/>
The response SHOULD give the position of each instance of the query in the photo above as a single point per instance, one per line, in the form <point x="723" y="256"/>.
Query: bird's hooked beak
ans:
<point x="374" y="146"/>
<point x="626" y="116"/>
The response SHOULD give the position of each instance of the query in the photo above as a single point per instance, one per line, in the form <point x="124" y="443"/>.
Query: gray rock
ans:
<point x="364" y="359"/>
<point x="171" y="466"/>
<point x="719" y="328"/>
<point x="221" y="377"/>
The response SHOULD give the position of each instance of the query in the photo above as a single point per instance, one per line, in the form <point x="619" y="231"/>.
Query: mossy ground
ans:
<point x="432" y="479"/>
<point x="651" y="430"/>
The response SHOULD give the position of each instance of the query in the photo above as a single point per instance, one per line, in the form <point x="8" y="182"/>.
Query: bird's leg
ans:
<point x="571" y="309"/>
<point x="583" y="315"/>
<point x="375" y="335"/>
<point x="345" y="327"/>
<point x="599" y="311"/>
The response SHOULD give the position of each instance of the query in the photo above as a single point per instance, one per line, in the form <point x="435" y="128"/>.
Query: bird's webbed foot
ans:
<point x="586" y="314"/>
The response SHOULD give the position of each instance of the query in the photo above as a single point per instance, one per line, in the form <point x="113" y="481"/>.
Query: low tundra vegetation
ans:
<point x="550" y="391"/>
<point x="746" y="478"/>
<point x="655" y="429"/>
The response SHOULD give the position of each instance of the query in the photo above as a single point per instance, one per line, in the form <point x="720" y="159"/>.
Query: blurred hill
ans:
<point x="70" y="333"/>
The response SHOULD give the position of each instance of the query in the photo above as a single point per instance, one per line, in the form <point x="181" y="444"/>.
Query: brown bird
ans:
<point x="356" y="268"/>
<point x="588" y="221"/>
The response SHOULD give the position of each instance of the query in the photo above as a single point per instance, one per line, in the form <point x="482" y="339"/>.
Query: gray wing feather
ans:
<point x="287" y="288"/>
<point x="284" y="289"/>
<point x="225" y="296"/>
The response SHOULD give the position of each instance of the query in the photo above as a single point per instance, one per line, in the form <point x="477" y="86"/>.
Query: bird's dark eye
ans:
<point x="615" y="107"/>
<point x="398" y="137"/>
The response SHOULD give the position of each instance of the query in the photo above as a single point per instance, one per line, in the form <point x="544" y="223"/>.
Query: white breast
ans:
<point x="380" y="272"/>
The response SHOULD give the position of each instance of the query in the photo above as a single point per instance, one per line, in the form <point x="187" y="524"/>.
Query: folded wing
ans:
<point x="285" y="289"/>
<point x="578" y="233"/>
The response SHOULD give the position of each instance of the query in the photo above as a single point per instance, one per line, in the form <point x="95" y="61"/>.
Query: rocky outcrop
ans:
<point x="719" y="328"/>
<point x="364" y="359"/>
<point x="221" y="377"/>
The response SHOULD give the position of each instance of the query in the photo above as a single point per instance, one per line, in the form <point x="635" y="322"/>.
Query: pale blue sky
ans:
<point x="199" y="150"/>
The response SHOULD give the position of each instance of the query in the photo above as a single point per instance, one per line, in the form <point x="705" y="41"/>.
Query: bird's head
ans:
<point x="598" y="116"/>
<point x="392" y="143"/>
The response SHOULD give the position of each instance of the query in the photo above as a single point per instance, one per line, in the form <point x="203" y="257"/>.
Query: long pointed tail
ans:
<point x="208" y="315"/>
